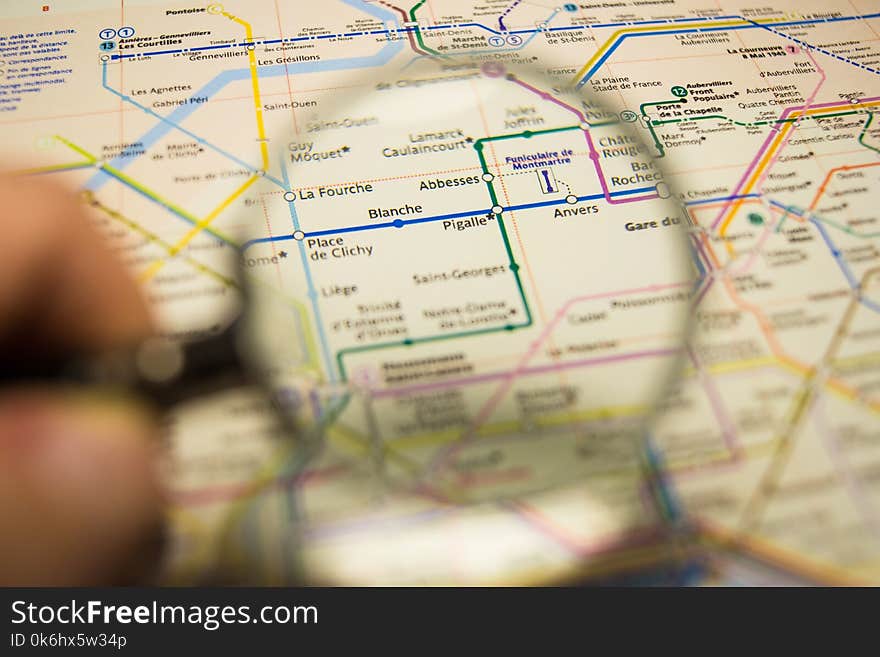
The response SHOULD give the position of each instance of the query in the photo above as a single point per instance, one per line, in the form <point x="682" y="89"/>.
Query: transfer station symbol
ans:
<point x="126" y="32"/>
<point x="107" y="46"/>
<point x="514" y="40"/>
<point x="496" y="41"/>
<point x="679" y="92"/>
<point x="107" y="33"/>
<point x="547" y="181"/>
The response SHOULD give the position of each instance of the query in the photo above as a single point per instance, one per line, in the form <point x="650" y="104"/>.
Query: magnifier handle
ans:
<point x="166" y="373"/>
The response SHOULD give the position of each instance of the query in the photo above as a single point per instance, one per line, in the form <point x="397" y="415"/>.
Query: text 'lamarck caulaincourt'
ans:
<point x="430" y="142"/>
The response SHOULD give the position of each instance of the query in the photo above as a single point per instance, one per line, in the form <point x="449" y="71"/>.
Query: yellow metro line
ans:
<point x="768" y="156"/>
<point x="652" y="28"/>
<point x="255" y="84"/>
<point x="153" y="269"/>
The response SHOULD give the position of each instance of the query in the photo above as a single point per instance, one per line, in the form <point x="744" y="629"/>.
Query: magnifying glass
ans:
<point x="498" y="276"/>
<point x="497" y="279"/>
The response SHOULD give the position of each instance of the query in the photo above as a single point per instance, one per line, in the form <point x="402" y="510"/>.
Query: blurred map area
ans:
<point x="162" y="113"/>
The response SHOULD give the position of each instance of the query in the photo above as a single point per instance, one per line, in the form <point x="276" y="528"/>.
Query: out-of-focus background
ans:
<point x="763" y="467"/>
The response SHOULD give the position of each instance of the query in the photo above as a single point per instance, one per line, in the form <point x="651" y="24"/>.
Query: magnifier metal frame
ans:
<point x="677" y="526"/>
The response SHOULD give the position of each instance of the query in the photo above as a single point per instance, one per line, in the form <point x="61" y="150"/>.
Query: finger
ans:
<point x="59" y="282"/>
<point x="80" y="500"/>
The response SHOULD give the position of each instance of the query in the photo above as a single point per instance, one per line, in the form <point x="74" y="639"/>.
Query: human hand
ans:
<point x="80" y="500"/>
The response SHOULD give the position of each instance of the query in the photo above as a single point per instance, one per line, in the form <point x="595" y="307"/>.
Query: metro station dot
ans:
<point x="571" y="199"/>
<point x="299" y="236"/>
<point x="756" y="219"/>
<point x="289" y="197"/>
<point x="497" y="209"/>
<point x="514" y="266"/>
<point x="488" y="177"/>
<point x="584" y="125"/>
<point x="398" y="223"/>
<point x="105" y="58"/>
<point x="250" y="46"/>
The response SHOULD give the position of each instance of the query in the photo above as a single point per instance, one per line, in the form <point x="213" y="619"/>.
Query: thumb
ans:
<point x="80" y="501"/>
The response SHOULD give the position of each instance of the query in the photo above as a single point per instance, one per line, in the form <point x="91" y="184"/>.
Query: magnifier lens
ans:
<point x="482" y="293"/>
